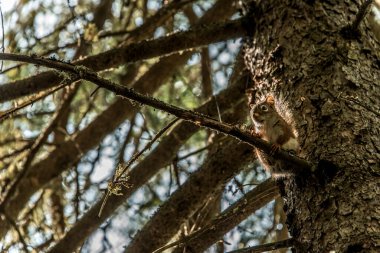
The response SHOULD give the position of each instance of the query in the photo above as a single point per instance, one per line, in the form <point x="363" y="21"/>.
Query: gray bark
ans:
<point x="331" y="83"/>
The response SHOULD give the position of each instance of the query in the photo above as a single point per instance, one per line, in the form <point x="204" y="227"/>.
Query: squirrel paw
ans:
<point x="254" y="133"/>
<point x="274" y="149"/>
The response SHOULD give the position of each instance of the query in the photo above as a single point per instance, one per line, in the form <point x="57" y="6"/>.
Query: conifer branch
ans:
<point x="81" y="72"/>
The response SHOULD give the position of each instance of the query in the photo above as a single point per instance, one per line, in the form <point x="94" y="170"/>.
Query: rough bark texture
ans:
<point x="332" y="84"/>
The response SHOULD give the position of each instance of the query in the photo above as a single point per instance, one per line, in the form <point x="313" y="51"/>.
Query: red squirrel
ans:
<point x="270" y="126"/>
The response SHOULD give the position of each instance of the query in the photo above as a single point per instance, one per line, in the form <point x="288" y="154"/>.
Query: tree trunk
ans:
<point x="329" y="77"/>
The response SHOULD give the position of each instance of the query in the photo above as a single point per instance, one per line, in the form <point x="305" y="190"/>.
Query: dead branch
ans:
<point x="199" y="36"/>
<point x="224" y="160"/>
<point x="266" y="247"/>
<point x="80" y="72"/>
<point x="157" y="159"/>
<point x="231" y="217"/>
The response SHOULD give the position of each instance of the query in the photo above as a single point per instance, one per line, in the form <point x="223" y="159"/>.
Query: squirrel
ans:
<point x="270" y="126"/>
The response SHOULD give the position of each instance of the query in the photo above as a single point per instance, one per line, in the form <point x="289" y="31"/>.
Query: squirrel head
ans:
<point x="263" y="110"/>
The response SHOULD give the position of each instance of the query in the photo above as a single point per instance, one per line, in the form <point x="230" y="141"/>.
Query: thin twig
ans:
<point x="217" y="108"/>
<point x="15" y="152"/>
<point x="249" y="202"/>
<point x="266" y="247"/>
<point x="193" y="153"/>
<point x="127" y="138"/>
<point x="33" y="151"/>
<point x="353" y="100"/>
<point x="121" y="173"/>
<point x="10" y="112"/>
<point x="351" y="31"/>
<point x="361" y="14"/>
<point x="104" y="203"/>
<point x="3" y="38"/>
<point x="14" y="225"/>
<point x="148" y="146"/>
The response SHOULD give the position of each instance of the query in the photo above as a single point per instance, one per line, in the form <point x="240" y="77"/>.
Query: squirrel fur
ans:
<point x="270" y="126"/>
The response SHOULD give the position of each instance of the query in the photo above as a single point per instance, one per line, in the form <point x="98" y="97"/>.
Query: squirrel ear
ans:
<point x="270" y="100"/>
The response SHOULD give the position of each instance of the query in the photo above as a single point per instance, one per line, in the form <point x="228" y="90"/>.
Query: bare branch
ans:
<point x="266" y="247"/>
<point x="195" y="118"/>
<point x="351" y="31"/>
<point x="224" y="160"/>
<point x="64" y="156"/>
<point x="361" y="14"/>
<point x="33" y="151"/>
<point x="206" y="73"/>
<point x="8" y="113"/>
<point x="121" y="173"/>
<point x="157" y="159"/>
<point x="196" y="37"/>
<point x="156" y="20"/>
<point x="231" y="217"/>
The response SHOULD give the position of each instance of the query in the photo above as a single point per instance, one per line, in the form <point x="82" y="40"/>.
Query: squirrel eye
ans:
<point x="264" y="108"/>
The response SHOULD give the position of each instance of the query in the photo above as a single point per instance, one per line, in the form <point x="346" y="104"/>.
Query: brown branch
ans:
<point x="266" y="247"/>
<point x="351" y="31"/>
<point x="196" y="118"/>
<point x="206" y="73"/>
<point x="196" y="37"/>
<point x="33" y="151"/>
<point x="231" y="217"/>
<point x="17" y="228"/>
<point x="8" y="113"/>
<point x="66" y="155"/>
<point x="156" y="159"/>
<point x="361" y="14"/>
<point x="155" y="21"/>
<point x="193" y="153"/>
<point x="147" y="146"/>
<point x="224" y="160"/>
<point x="118" y="175"/>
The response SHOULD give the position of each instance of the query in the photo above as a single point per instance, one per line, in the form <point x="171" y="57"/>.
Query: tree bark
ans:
<point x="68" y="153"/>
<point x="329" y="77"/>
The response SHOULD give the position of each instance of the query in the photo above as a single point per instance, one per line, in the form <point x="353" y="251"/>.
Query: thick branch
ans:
<point x="231" y="217"/>
<point x="196" y="118"/>
<point x="157" y="20"/>
<point x="224" y="160"/>
<point x="266" y="247"/>
<point x="161" y="156"/>
<point x="64" y="156"/>
<point x="199" y="36"/>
